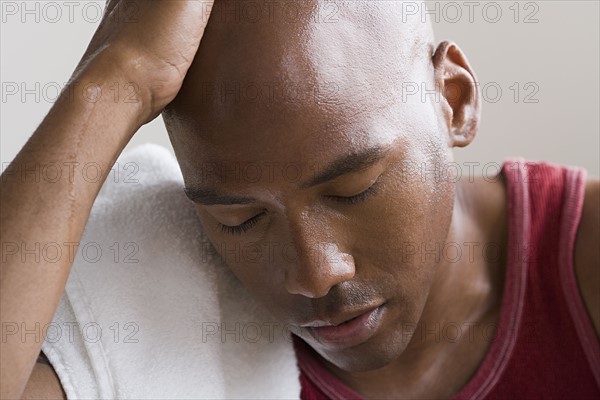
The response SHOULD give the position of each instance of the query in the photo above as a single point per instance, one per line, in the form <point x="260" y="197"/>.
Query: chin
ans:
<point x="381" y="349"/>
<point x="368" y="356"/>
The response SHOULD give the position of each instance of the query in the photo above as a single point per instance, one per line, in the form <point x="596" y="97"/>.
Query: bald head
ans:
<point x="258" y="59"/>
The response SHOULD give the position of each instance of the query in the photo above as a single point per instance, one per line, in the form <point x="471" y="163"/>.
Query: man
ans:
<point x="326" y="99"/>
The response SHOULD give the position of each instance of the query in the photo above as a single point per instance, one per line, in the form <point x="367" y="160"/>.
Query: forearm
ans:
<point x="46" y="195"/>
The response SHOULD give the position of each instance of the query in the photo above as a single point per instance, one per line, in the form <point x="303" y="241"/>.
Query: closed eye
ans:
<point x="242" y="228"/>
<point x="249" y="224"/>
<point x="371" y="191"/>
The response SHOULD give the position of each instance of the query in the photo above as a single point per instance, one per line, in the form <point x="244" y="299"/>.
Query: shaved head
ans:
<point x="292" y="57"/>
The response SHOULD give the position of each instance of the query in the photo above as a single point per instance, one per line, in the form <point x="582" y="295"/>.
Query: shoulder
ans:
<point x="587" y="252"/>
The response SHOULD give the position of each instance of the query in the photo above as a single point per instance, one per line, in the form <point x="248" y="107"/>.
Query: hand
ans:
<point x="152" y="43"/>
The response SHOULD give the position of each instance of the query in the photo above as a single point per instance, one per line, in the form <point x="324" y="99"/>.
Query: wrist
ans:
<point x="111" y="80"/>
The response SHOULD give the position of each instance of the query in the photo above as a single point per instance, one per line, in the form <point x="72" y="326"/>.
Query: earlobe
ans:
<point x="461" y="99"/>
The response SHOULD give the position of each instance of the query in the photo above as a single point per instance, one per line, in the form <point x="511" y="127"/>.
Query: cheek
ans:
<point x="253" y="263"/>
<point x="400" y="236"/>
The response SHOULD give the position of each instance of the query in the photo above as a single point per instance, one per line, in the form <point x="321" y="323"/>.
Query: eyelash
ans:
<point x="371" y="191"/>
<point x="246" y="226"/>
<point x="242" y="228"/>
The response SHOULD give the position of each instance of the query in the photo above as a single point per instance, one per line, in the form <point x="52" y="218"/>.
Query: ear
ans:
<point x="461" y="99"/>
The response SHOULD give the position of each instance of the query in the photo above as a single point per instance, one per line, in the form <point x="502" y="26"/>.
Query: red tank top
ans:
<point x="545" y="345"/>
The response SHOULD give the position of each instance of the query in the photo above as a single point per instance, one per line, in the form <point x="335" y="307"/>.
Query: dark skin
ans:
<point x="360" y="267"/>
<point x="347" y="255"/>
<point x="347" y="252"/>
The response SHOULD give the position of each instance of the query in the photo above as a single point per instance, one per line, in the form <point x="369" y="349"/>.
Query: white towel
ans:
<point x="148" y="312"/>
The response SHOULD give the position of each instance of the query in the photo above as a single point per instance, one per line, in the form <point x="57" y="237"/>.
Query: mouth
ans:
<point x="349" y="332"/>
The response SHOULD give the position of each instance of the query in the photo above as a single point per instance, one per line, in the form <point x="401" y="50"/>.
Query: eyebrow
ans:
<point x="209" y="197"/>
<point x="352" y="162"/>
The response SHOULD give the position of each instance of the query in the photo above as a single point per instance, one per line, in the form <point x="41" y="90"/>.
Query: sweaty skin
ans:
<point x="238" y="108"/>
<point x="294" y="137"/>
<point x="269" y="97"/>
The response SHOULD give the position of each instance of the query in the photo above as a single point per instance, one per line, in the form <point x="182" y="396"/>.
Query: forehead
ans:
<point x="297" y="90"/>
<point x="296" y="154"/>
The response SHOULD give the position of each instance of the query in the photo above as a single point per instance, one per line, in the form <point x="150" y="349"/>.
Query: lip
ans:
<point x="350" y="333"/>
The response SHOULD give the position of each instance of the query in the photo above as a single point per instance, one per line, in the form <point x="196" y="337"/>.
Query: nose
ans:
<point x="317" y="267"/>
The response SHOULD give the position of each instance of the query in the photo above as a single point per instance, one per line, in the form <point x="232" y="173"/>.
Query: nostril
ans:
<point x="306" y="291"/>
<point x="315" y="278"/>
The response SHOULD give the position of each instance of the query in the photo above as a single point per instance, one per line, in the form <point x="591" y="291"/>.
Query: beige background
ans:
<point x="547" y="53"/>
